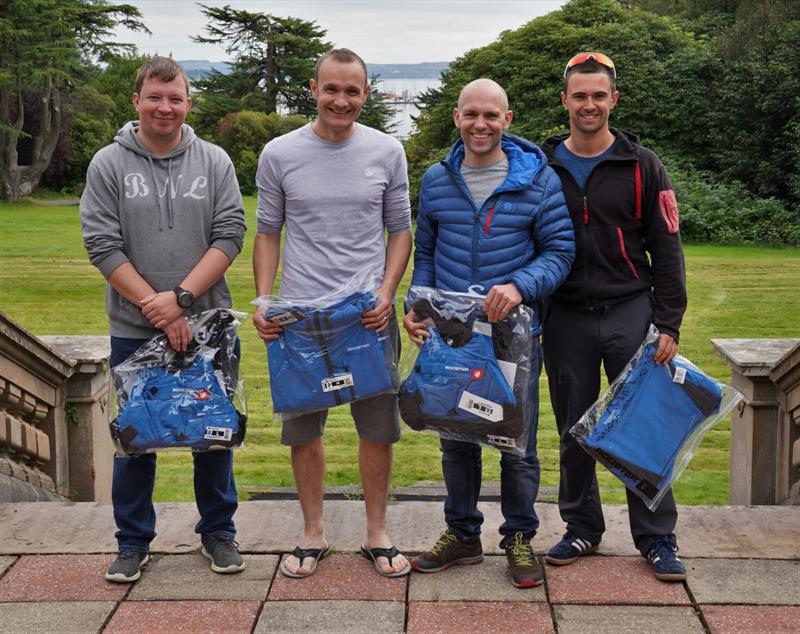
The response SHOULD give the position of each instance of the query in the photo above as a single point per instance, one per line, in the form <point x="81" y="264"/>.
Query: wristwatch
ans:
<point x="184" y="297"/>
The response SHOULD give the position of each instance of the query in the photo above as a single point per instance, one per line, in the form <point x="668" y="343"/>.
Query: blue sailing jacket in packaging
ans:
<point x="325" y="357"/>
<point x="192" y="400"/>
<point x="471" y="379"/>
<point x="647" y="425"/>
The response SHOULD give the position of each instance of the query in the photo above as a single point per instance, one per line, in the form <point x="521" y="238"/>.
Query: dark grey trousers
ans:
<point x="576" y="343"/>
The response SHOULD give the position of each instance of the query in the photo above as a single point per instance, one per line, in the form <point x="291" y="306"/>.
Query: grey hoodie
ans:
<point x="161" y="214"/>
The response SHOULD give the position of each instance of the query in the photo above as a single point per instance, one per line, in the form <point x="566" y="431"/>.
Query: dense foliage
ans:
<point x="726" y="118"/>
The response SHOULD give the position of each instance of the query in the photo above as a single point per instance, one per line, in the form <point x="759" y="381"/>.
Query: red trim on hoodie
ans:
<point x="637" y="179"/>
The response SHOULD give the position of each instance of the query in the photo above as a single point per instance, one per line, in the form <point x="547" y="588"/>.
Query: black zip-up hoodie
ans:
<point x="626" y="212"/>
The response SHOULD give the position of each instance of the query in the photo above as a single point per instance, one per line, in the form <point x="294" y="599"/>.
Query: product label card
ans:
<point x="338" y="382"/>
<point x="218" y="433"/>
<point x="481" y="407"/>
<point x="680" y="375"/>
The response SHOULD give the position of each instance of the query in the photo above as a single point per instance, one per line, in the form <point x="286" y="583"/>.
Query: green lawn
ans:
<point x="47" y="285"/>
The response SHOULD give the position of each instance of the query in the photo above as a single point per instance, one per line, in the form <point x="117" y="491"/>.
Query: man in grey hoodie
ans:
<point x="162" y="220"/>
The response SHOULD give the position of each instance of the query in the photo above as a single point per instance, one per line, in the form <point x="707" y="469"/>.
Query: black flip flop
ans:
<point x="373" y="553"/>
<point x="303" y="553"/>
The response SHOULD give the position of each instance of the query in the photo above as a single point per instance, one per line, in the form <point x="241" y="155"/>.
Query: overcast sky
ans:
<point x="381" y="31"/>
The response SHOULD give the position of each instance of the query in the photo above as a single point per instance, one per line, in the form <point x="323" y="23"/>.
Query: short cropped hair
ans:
<point x="162" y="68"/>
<point x="343" y="55"/>
<point x="591" y="66"/>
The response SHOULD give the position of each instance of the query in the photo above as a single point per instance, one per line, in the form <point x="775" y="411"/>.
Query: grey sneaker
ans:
<point x="448" y="551"/>
<point x="127" y="567"/>
<point x="223" y="553"/>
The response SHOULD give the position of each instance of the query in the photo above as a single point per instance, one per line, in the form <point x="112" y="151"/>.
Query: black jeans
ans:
<point x="576" y="344"/>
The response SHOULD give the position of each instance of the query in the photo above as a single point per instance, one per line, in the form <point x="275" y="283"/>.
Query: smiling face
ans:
<point x="340" y="90"/>
<point x="589" y="99"/>
<point x="162" y="107"/>
<point x="481" y="117"/>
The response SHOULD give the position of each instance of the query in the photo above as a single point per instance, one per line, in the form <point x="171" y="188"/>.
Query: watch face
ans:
<point x="185" y="299"/>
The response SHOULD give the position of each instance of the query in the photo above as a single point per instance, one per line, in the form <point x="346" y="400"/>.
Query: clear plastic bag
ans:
<point x="471" y="380"/>
<point x="324" y="356"/>
<point x="191" y="399"/>
<point x="645" y="428"/>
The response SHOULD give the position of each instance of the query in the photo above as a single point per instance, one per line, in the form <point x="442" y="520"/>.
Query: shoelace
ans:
<point x="662" y="549"/>
<point x="445" y="539"/>
<point x="215" y="540"/>
<point x="521" y="551"/>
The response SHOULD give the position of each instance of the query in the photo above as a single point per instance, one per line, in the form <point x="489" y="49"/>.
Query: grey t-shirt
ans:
<point x="335" y="200"/>
<point x="482" y="181"/>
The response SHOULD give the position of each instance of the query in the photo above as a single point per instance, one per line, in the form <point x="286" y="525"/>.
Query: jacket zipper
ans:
<point x="585" y="211"/>
<point x="488" y="219"/>
<point x="625" y="253"/>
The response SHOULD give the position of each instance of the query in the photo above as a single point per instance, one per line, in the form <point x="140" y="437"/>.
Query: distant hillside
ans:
<point x="424" y="70"/>
<point x="199" y="68"/>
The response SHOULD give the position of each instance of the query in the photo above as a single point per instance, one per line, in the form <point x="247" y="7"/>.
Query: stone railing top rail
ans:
<point x="753" y="357"/>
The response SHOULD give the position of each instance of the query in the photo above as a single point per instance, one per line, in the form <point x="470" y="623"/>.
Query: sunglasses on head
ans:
<point x="582" y="58"/>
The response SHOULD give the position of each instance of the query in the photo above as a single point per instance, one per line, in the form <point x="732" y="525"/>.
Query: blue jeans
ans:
<point x="519" y="478"/>
<point x="135" y="476"/>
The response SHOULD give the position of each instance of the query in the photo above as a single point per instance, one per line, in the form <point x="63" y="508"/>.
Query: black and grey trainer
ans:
<point x="448" y="551"/>
<point x="526" y="572"/>
<point x="569" y="549"/>
<point x="223" y="553"/>
<point x="127" y="567"/>
<point x="665" y="563"/>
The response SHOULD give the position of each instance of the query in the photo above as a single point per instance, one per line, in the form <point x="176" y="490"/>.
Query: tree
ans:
<point x="46" y="46"/>
<point x="273" y="58"/>
<point x="377" y="113"/>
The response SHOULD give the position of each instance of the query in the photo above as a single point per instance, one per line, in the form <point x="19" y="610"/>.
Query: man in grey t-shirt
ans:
<point x="336" y="186"/>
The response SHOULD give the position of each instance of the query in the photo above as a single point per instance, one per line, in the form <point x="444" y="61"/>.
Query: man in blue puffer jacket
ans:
<point x="491" y="214"/>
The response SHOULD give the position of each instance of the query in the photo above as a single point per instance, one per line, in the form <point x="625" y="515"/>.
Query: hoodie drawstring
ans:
<point x="167" y="185"/>
<point x="158" y="198"/>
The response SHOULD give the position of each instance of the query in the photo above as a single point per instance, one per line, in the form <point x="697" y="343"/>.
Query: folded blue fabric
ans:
<point x="183" y="408"/>
<point x="656" y="410"/>
<point x="325" y="357"/>
<point x="457" y="388"/>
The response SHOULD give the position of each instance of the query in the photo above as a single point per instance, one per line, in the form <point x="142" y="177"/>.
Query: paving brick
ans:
<point x="611" y="581"/>
<point x="340" y="577"/>
<point x="626" y="619"/>
<point x="189" y="577"/>
<point x="488" y="581"/>
<point x="767" y="581"/>
<point x="60" y="578"/>
<point x="353" y="617"/>
<point x="5" y="563"/>
<point x="733" y="619"/>
<point x="478" y="618"/>
<point x="197" y="617"/>
<point x="81" y="616"/>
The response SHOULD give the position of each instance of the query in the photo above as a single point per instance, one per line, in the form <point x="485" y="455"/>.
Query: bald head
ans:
<point x="481" y="118"/>
<point x="484" y="89"/>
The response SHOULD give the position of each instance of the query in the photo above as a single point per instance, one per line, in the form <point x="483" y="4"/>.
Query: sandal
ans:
<point x="373" y="553"/>
<point x="302" y="553"/>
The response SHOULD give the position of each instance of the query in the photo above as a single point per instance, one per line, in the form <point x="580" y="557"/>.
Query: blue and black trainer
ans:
<point x="665" y="563"/>
<point x="569" y="549"/>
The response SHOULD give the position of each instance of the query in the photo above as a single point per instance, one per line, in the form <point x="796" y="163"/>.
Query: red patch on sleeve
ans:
<point x="669" y="209"/>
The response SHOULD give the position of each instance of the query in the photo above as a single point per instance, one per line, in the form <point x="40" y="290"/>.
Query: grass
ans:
<point x="48" y="286"/>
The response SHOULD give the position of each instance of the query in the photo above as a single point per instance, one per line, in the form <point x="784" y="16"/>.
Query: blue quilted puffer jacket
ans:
<point x="522" y="233"/>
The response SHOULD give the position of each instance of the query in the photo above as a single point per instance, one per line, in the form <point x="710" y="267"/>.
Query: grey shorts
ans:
<point x="377" y="419"/>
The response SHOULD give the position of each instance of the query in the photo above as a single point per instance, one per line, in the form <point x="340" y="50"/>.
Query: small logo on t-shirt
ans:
<point x="477" y="374"/>
<point x="369" y="172"/>
<point x="202" y="395"/>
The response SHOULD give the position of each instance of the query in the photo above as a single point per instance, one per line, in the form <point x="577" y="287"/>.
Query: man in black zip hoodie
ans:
<point x="628" y="273"/>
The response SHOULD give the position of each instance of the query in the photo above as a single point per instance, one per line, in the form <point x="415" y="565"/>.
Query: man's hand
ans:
<point x="500" y="301"/>
<point x="161" y="309"/>
<point x="267" y="330"/>
<point x="667" y="349"/>
<point x="179" y="333"/>
<point x="377" y="319"/>
<point x="417" y="331"/>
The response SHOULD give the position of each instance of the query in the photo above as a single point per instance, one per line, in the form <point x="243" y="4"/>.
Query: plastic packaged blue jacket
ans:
<point x="325" y="357"/>
<point x="645" y="428"/>
<point x="171" y="399"/>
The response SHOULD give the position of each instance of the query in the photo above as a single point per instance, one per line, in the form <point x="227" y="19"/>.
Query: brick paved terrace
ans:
<point x="743" y="565"/>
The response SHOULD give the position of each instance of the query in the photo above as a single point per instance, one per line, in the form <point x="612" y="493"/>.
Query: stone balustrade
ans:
<point x="765" y="427"/>
<point x="54" y="400"/>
